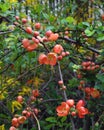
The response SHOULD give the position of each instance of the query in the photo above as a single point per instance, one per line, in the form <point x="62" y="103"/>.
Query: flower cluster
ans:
<point x="52" y="57"/>
<point x="88" y="65"/>
<point x="30" y="45"/>
<point x="49" y="59"/>
<point x="69" y="107"/>
<point x="91" y="92"/>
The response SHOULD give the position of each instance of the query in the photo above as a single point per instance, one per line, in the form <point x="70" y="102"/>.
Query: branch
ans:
<point x="61" y="78"/>
<point x="2" y="33"/>
<point x="81" y="44"/>
<point x="36" y="120"/>
<point x="72" y="122"/>
<point x="17" y="25"/>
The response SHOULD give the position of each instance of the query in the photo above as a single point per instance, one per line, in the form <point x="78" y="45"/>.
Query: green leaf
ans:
<point x="89" y="32"/>
<point x="100" y="87"/>
<point x="100" y="37"/>
<point x="86" y="24"/>
<point x="100" y="77"/>
<point x="73" y="82"/>
<point x="49" y="126"/>
<point x="46" y="16"/>
<point x="70" y="19"/>
<point x="63" y="21"/>
<point x="50" y="28"/>
<point x="51" y="119"/>
<point x="4" y="6"/>
<point x="63" y="119"/>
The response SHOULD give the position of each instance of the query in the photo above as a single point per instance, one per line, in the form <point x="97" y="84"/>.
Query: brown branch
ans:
<point x="2" y="33"/>
<point x="61" y="78"/>
<point x="80" y="44"/>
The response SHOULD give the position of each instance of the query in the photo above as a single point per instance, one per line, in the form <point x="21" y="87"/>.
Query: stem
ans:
<point x="61" y="77"/>
<point x="72" y="122"/>
<point x="36" y="121"/>
<point x="2" y="33"/>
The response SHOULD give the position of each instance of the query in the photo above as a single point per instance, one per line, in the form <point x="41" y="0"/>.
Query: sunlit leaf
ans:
<point x="70" y="19"/>
<point x="2" y="127"/>
<point x="89" y="32"/>
<point x="16" y="104"/>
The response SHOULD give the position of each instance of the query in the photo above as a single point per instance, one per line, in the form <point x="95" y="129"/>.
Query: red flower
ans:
<point x="58" y="49"/>
<point x="63" y="109"/>
<point x="35" y="93"/>
<point x="49" y="59"/>
<point x="88" y="90"/>
<point x="80" y="103"/>
<point x="42" y="59"/>
<point x="25" y="43"/>
<point x="31" y="47"/>
<point x="53" y="37"/>
<point x="95" y="93"/>
<point x="52" y="58"/>
<point x="82" y="111"/>
<point x="70" y="102"/>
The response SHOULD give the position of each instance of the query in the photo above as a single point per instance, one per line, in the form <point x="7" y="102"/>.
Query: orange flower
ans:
<point x="32" y="46"/>
<point x="63" y="109"/>
<point x="42" y="59"/>
<point x="35" y="93"/>
<point x="53" y="37"/>
<point x="88" y="90"/>
<point x="52" y="58"/>
<point x="58" y="49"/>
<point x="25" y="43"/>
<point x="70" y="102"/>
<point x="80" y="103"/>
<point x="95" y="93"/>
<point x="82" y="111"/>
<point x="21" y="119"/>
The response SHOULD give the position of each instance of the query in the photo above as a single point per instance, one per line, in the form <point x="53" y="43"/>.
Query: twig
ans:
<point x="72" y="122"/>
<point x="80" y="44"/>
<point x="2" y="33"/>
<point x="61" y="78"/>
<point x="50" y="100"/>
<point x="36" y="120"/>
<point x="47" y="83"/>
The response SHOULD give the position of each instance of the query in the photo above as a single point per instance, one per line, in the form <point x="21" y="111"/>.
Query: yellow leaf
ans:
<point x="16" y="104"/>
<point x="2" y="95"/>
<point x="11" y="1"/>
<point x="37" y="81"/>
<point x="2" y="127"/>
<point x="25" y="91"/>
<point x="81" y="50"/>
